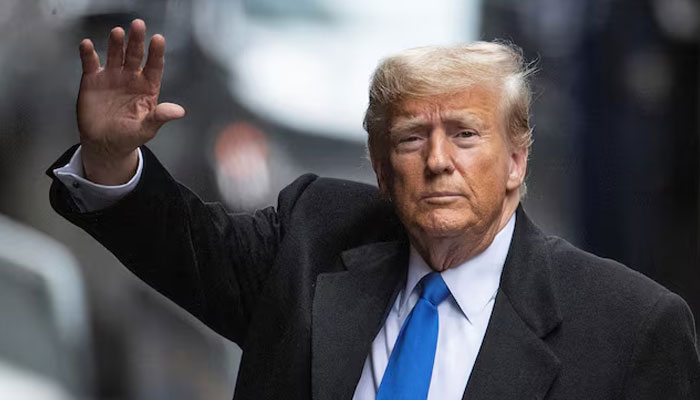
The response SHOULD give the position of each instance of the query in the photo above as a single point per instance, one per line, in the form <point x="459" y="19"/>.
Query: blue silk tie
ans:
<point x="407" y="376"/>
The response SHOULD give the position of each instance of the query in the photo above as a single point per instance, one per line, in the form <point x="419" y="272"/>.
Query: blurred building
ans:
<point x="616" y="161"/>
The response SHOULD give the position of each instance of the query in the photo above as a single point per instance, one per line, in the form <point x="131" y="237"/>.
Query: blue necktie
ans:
<point x="410" y="367"/>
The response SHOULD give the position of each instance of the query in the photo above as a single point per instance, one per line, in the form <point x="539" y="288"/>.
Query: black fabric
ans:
<point x="305" y="288"/>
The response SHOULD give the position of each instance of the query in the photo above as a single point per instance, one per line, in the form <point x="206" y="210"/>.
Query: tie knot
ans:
<point x="434" y="289"/>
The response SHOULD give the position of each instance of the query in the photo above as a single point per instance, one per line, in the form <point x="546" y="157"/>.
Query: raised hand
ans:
<point x="118" y="108"/>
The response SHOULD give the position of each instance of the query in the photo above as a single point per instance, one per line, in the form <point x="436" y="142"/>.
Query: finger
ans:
<point x="115" y="48"/>
<point x="135" y="46"/>
<point x="156" y="58"/>
<point x="163" y="113"/>
<point x="89" y="57"/>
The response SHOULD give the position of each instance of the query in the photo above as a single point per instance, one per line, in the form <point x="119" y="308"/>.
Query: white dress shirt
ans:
<point x="90" y="196"/>
<point x="463" y="316"/>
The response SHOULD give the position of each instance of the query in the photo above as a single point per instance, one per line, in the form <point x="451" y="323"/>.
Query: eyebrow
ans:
<point x="411" y="122"/>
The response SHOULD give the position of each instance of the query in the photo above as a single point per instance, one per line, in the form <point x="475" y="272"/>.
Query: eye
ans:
<point x="409" y="143"/>
<point x="465" y="134"/>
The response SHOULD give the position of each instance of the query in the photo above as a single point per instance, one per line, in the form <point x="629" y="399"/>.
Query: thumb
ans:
<point x="163" y="113"/>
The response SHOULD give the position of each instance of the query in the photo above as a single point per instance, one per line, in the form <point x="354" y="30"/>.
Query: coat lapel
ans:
<point x="514" y="360"/>
<point x="349" y="309"/>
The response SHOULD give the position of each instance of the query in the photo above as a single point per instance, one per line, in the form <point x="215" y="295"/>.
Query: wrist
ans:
<point x="109" y="170"/>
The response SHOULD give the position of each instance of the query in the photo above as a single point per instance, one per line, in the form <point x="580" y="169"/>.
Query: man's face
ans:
<point x="450" y="166"/>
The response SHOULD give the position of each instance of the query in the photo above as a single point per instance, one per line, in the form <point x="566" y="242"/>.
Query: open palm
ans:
<point x="118" y="108"/>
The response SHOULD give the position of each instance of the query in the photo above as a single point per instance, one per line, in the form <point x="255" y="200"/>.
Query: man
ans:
<point x="441" y="289"/>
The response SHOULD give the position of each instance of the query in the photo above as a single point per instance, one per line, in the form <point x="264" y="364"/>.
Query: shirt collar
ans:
<point x="472" y="283"/>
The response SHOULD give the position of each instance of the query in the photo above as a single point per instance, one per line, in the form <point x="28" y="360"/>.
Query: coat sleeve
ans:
<point x="208" y="261"/>
<point x="665" y="362"/>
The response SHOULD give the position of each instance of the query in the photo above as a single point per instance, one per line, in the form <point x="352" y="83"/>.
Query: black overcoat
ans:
<point x="303" y="289"/>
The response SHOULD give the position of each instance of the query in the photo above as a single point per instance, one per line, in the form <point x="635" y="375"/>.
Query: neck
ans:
<point x="442" y="253"/>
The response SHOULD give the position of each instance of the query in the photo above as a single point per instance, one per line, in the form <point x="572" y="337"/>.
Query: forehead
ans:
<point x="477" y="102"/>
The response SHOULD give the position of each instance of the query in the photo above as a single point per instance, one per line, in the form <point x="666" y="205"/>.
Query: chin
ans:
<point x="441" y="225"/>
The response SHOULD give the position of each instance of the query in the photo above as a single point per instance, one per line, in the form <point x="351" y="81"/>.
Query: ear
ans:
<point x="517" y="167"/>
<point x="382" y="172"/>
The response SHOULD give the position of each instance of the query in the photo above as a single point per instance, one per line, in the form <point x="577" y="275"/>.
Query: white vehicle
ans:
<point x="45" y="346"/>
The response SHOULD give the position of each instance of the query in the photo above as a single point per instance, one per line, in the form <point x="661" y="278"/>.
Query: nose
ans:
<point x="440" y="154"/>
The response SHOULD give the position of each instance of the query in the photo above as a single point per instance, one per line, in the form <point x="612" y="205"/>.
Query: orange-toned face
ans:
<point x="451" y="171"/>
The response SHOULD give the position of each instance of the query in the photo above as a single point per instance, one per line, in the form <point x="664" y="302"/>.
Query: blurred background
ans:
<point x="276" y="88"/>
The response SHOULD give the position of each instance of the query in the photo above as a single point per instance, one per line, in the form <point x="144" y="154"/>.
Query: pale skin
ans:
<point x="117" y="107"/>
<point x="452" y="174"/>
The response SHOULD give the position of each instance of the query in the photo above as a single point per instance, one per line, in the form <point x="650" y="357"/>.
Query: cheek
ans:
<point x="407" y="174"/>
<point x="406" y="184"/>
<point x="485" y="174"/>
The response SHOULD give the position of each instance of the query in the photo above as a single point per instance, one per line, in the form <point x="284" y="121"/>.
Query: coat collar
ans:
<point x="527" y="277"/>
<point x="349" y="309"/>
<point x="514" y="361"/>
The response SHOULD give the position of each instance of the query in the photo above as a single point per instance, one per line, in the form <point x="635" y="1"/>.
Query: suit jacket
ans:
<point x="304" y="288"/>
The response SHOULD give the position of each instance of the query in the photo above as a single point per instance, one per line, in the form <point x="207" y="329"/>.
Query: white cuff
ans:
<point x="90" y="196"/>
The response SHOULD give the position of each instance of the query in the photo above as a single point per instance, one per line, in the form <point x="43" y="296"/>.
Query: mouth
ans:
<point x="441" y="197"/>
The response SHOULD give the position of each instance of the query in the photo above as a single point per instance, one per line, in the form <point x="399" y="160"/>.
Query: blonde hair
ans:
<point x="436" y="70"/>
